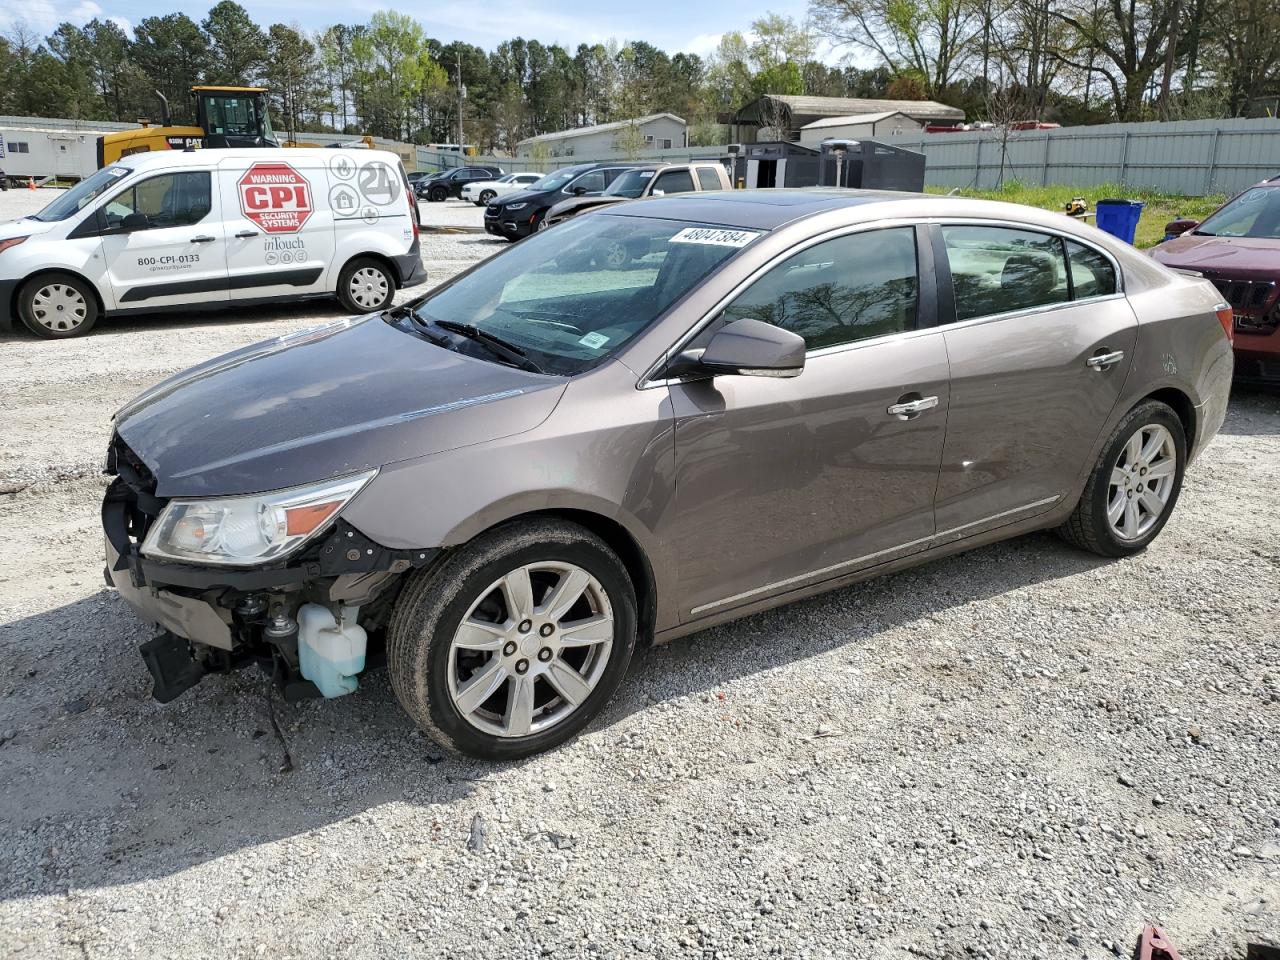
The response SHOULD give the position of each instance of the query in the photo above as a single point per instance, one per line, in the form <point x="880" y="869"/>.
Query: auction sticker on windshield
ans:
<point x="716" y="236"/>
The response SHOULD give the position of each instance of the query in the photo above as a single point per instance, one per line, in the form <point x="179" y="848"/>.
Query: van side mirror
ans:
<point x="135" y="221"/>
<point x="747" y="348"/>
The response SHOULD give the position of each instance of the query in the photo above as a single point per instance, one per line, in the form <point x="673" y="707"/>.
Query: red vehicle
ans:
<point x="1238" y="248"/>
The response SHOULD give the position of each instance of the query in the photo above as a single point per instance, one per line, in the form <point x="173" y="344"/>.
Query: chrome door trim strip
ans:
<point x="776" y="585"/>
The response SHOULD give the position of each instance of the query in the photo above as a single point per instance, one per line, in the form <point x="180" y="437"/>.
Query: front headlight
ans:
<point x="252" y="530"/>
<point x="516" y="206"/>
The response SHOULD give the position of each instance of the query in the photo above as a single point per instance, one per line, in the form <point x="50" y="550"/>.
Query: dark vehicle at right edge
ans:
<point x="517" y="215"/>
<point x="1237" y="248"/>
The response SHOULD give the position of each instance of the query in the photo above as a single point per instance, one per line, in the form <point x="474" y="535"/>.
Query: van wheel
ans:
<point x="515" y="642"/>
<point x="366" y="286"/>
<point x="57" y="306"/>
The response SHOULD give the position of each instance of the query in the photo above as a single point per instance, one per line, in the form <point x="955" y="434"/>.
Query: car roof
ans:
<point x="761" y="209"/>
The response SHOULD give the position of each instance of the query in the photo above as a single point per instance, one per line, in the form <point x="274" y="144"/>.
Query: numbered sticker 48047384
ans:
<point x="716" y="236"/>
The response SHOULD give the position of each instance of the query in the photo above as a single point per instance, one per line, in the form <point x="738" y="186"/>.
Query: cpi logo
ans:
<point x="275" y="197"/>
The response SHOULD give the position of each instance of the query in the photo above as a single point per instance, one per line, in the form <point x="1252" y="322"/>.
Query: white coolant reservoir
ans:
<point x="330" y="651"/>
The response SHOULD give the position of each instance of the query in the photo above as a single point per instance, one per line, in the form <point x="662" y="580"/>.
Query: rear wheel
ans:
<point x="1134" y="485"/>
<point x="515" y="642"/>
<point x="366" y="286"/>
<point x="438" y="195"/>
<point x="57" y="306"/>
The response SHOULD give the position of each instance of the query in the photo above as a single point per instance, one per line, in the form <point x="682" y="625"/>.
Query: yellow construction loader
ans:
<point x="225" y="117"/>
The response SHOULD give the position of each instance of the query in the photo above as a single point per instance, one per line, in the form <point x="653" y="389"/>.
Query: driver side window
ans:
<point x="839" y="291"/>
<point x="170" y="200"/>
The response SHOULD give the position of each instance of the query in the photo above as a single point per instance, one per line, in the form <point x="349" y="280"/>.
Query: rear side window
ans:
<point x="1092" y="274"/>
<point x="708" y="178"/>
<point x="171" y="200"/>
<point x="999" y="270"/>
<point x="839" y="291"/>
<point x="673" y="181"/>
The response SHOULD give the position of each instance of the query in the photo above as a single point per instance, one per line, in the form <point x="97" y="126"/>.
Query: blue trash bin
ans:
<point x="1119" y="217"/>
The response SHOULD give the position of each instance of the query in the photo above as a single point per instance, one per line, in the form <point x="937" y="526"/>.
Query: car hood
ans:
<point x="520" y="196"/>
<point x="323" y="403"/>
<point x="25" y="228"/>
<point x="1230" y="255"/>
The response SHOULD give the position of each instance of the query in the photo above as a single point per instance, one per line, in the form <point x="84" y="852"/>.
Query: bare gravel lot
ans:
<point x="1024" y="751"/>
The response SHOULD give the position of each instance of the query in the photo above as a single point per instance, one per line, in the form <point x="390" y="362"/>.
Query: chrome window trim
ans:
<point x="646" y="383"/>
<point x="822" y="571"/>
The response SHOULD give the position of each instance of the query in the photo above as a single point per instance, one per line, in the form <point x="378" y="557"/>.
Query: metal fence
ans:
<point x="1185" y="157"/>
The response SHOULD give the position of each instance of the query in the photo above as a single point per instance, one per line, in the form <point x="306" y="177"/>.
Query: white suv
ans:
<point x="482" y="191"/>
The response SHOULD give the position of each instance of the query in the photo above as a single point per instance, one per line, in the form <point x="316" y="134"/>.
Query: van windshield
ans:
<point x="83" y="193"/>
<point x="569" y="297"/>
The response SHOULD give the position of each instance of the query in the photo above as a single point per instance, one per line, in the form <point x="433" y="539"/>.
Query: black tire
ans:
<point x="438" y="195"/>
<point x="352" y="299"/>
<point x="486" y="196"/>
<point x="37" y="318"/>
<point x="1088" y="526"/>
<point x="433" y="603"/>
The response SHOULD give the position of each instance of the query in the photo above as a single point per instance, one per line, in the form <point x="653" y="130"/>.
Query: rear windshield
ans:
<point x="572" y="295"/>
<point x="83" y="193"/>
<point x="1255" y="213"/>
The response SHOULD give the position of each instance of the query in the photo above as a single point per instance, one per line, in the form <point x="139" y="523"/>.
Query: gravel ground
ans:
<point x="1024" y="751"/>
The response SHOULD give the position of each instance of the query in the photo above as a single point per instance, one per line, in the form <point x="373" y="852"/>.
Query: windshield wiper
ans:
<point x="423" y="325"/>
<point x="496" y="345"/>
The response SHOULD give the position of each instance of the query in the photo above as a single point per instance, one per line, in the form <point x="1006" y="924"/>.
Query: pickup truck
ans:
<point x="645" y="180"/>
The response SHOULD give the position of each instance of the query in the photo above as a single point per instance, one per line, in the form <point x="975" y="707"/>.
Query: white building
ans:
<point x="658" y="131"/>
<point x="42" y="147"/>
<point x="875" y="126"/>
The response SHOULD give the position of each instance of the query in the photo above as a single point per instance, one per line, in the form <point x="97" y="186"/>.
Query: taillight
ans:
<point x="413" y="209"/>
<point x="1227" y="318"/>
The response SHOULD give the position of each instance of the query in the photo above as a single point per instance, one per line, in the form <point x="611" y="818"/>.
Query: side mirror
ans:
<point x="1176" y="228"/>
<point x="134" y="221"/>
<point x="579" y="190"/>
<point x="749" y="348"/>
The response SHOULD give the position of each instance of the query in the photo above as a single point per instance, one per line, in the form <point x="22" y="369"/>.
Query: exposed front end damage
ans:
<point x="214" y="619"/>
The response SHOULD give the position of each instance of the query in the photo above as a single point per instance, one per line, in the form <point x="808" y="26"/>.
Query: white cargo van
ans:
<point x="209" y="228"/>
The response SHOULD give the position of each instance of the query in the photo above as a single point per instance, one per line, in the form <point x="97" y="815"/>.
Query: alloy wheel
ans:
<point x="369" y="287"/>
<point x="59" y="307"/>
<point x="531" y="649"/>
<point x="1142" y="480"/>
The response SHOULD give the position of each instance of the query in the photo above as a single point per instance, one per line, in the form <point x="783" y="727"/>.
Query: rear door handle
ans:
<point x="203" y="239"/>
<point x="246" y="234"/>
<point x="1103" y="361"/>
<point x="910" y="408"/>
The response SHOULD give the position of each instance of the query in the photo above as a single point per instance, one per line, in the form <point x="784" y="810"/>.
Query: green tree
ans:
<point x="293" y="77"/>
<point x="237" y="46"/>
<point x="174" y="54"/>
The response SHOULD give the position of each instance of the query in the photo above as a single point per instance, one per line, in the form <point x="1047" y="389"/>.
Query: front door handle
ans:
<point x="203" y="239"/>
<point x="907" y="409"/>
<point x="246" y="234"/>
<point x="1104" y="361"/>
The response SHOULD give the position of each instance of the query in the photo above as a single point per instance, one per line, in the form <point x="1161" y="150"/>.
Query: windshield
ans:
<point x="84" y="192"/>
<point x="570" y="297"/>
<point x="235" y="116"/>
<point x="631" y="184"/>
<point x="1255" y="213"/>
<point x="555" y="179"/>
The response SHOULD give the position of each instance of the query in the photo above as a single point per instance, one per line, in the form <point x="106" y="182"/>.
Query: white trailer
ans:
<point x="39" y="152"/>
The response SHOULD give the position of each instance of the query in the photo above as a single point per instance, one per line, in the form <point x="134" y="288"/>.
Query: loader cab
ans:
<point x="234" y="117"/>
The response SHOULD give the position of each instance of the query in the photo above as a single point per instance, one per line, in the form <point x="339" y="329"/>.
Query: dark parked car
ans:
<point x="450" y="183"/>
<point x="519" y="214"/>
<point x="1238" y="248"/>
<point x="520" y="477"/>
<point x="645" y="180"/>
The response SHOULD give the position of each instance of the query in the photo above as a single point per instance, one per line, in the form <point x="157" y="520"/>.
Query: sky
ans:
<point x="667" y="24"/>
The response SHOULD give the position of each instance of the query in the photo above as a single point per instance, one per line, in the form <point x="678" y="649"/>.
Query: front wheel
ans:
<point x="366" y="286"/>
<point x="57" y="306"/>
<point x="438" y="195"/>
<point x="1134" y="485"/>
<point x="486" y="196"/>
<point x="515" y="642"/>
